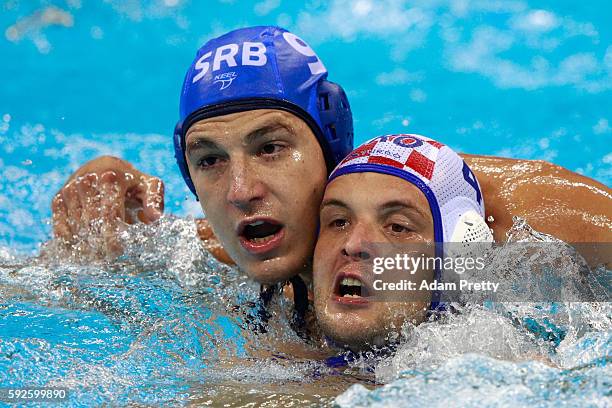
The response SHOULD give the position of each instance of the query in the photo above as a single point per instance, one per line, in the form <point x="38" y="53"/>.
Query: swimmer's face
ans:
<point x="260" y="176"/>
<point x="358" y="210"/>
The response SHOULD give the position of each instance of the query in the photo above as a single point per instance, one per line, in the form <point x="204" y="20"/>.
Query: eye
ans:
<point x="399" y="228"/>
<point x="338" y="223"/>
<point x="270" y="149"/>
<point x="208" y="161"/>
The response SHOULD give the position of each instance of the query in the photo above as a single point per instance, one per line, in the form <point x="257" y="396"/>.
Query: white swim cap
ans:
<point x="450" y="186"/>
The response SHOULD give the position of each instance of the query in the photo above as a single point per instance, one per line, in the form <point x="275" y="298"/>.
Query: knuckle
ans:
<point x="154" y="184"/>
<point x="82" y="182"/>
<point x="70" y="184"/>
<point x="109" y="176"/>
<point x="70" y="191"/>
<point x="57" y="201"/>
<point x="91" y="178"/>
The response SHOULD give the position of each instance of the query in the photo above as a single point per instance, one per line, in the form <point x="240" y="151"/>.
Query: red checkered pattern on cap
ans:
<point x="386" y="161"/>
<point x="421" y="164"/>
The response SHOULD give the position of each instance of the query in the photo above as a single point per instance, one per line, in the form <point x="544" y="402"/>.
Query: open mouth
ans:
<point x="259" y="236"/>
<point x="350" y="287"/>
<point x="260" y="231"/>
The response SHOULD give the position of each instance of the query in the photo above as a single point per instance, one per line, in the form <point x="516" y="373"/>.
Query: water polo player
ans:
<point x="392" y="191"/>
<point x="262" y="127"/>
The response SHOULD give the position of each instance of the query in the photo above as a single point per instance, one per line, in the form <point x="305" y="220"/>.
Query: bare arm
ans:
<point x="552" y="199"/>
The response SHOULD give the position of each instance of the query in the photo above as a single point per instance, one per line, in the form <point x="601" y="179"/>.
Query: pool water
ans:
<point x="156" y="326"/>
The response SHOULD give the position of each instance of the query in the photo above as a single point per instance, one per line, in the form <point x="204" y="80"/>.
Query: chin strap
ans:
<point x="300" y="307"/>
<point x="266" y="293"/>
<point x="347" y="356"/>
<point x="300" y="300"/>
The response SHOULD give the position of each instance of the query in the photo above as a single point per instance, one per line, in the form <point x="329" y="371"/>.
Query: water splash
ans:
<point x="164" y="318"/>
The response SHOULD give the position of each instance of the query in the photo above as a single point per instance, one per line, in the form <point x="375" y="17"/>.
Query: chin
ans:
<point x="276" y="270"/>
<point x="349" y="330"/>
<point x="360" y="330"/>
<point x="358" y="340"/>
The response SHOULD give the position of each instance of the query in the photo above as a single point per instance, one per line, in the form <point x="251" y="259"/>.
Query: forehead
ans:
<point x="370" y="191"/>
<point x="236" y="126"/>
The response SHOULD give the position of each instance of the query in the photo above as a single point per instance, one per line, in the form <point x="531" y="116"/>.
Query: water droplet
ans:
<point x="490" y="218"/>
<point x="96" y="33"/>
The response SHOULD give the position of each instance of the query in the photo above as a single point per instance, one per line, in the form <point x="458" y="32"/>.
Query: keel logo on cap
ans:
<point x="225" y="79"/>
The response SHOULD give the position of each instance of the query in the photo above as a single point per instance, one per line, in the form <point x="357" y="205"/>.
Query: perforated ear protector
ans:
<point x="471" y="227"/>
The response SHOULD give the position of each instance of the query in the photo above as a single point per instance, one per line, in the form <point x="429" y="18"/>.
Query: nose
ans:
<point x="245" y="186"/>
<point x="358" y="245"/>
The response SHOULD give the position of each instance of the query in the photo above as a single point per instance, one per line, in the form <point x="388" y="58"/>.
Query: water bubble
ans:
<point x="96" y="33"/>
<point x="6" y="117"/>
<point x="490" y="218"/>
<point x="27" y="162"/>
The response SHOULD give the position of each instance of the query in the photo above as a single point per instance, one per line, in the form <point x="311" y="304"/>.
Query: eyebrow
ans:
<point x="201" y="142"/>
<point x="332" y="202"/>
<point x="263" y="131"/>
<point x="198" y="143"/>
<point x="395" y="205"/>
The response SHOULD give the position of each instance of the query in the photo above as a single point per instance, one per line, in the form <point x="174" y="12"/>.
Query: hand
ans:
<point x="100" y="198"/>
<point x="211" y="243"/>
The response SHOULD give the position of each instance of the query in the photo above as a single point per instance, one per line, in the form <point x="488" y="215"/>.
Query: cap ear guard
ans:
<point x="336" y="127"/>
<point x="336" y="120"/>
<point x="471" y="227"/>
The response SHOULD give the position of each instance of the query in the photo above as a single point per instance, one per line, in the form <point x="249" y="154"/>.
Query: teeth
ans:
<point x="260" y="240"/>
<point x="350" y="282"/>
<point x="256" y="223"/>
<point x="351" y="296"/>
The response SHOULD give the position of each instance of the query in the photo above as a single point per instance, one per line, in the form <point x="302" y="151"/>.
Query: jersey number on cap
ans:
<point x="471" y="180"/>
<point x="300" y="46"/>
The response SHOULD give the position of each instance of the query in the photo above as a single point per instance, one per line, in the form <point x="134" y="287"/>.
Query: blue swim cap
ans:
<point x="264" y="68"/>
